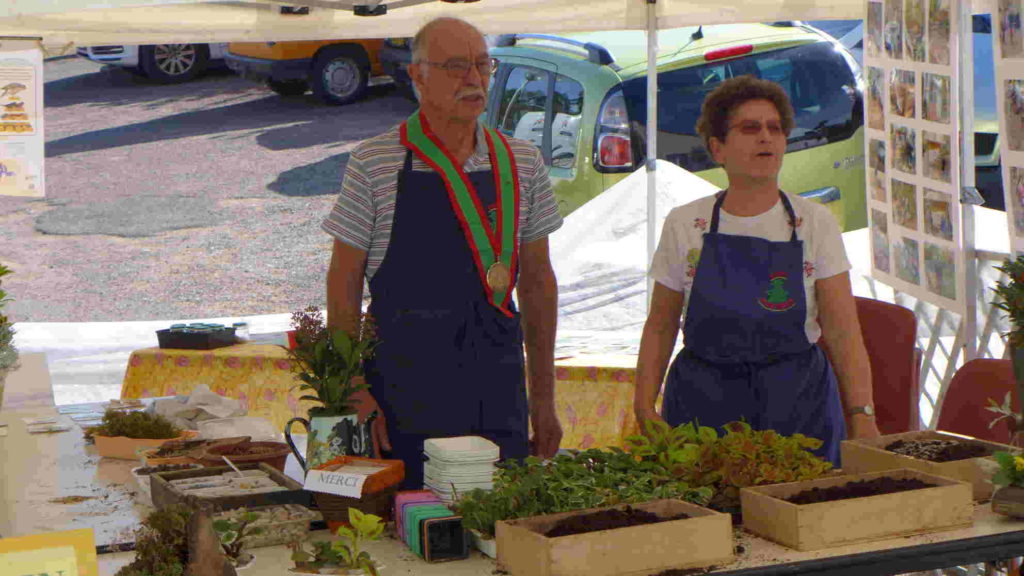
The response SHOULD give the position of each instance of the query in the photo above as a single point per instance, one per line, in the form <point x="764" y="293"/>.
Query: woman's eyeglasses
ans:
<point x="753" y="128"/>
<point x="459" y="68"/>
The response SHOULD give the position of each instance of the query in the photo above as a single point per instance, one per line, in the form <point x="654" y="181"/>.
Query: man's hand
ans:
<point x="643" y="415"/>
<point x="547" y="432"/>
<point x="862" y="426"/>
<point x="365" y="404"/>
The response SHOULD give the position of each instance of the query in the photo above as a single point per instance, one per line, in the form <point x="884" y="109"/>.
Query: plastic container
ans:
<point x="196" y="338"/>
<point x="278" y="524"/>
<point x="257" y="429"/>
<point x="241" y="331"/>
<point x="462" y="449"/>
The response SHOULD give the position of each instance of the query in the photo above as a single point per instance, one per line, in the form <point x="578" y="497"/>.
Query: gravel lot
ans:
<point x="196" y="200"/>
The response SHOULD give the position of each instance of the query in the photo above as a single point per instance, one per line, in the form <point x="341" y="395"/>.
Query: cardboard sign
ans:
<point x="345" y="480"/>
<point x="70" y="553"/>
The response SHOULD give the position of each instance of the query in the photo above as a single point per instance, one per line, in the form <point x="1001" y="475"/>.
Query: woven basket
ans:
<point x="273" y="453"/>
<point x="335" y="508"/>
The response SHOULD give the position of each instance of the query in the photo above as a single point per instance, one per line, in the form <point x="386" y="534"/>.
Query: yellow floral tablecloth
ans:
<point x="593" y="394"/>
<point x="594" y="399"/>
<point x="260" y="376"/>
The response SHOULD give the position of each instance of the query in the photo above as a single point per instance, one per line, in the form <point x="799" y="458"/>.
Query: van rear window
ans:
<point x="817" y="78"/>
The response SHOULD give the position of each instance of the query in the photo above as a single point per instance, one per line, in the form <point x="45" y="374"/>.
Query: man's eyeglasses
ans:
<point x="753" y="128"/>
<point x="459" y="68"/>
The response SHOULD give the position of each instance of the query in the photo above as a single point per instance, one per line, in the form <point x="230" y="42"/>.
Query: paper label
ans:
<point x="344" y="481"/>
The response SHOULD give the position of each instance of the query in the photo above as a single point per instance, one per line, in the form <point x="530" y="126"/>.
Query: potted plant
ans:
<point x="233" y="536"/>
<point x="344" y="556"/>
<point x="1011" y="300"/>
<point x="1008" y="499"/>
<point x="328" y="361"/>
<point x="8" y="353"/>
<point x="161" y="544"/>
<point x="123" y="434"/>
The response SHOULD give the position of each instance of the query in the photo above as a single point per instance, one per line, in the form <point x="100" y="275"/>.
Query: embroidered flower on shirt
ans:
<point x="808" y="269"/>
<point x="701" y="223"/>
<point x="692" y="258"/>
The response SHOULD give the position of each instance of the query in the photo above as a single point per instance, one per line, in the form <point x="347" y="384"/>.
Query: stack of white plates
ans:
<point x="458" y="465"/>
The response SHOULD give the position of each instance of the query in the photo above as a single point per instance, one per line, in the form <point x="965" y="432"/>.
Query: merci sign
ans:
<point x="341" y="483"/>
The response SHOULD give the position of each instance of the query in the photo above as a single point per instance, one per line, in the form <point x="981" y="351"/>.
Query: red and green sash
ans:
<point x="491" y="248"/>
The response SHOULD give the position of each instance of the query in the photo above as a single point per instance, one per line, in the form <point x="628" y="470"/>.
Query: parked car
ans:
<point x="338" y="71"/>
<point x="395" y="57"/>
<point x="988" y="173"/>
<point x="581" y="98"/>
<point x="160" y="62"/>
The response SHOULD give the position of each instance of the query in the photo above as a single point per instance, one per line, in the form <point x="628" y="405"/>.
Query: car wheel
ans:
<point x="340" y="76"/>
<point x="171" y="63"/>
<point x="288" y="87"/>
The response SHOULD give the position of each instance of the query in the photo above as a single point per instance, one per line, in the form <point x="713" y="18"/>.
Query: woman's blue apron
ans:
<point x="746" y="353"/>
<point x="449" y="363"/>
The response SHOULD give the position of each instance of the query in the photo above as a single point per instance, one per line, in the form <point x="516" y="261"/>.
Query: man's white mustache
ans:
<point x="469" y="94"/>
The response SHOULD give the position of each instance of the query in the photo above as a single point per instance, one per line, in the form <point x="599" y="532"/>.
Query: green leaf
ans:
<point x="346" y="532"/>
<point x="222" y="525"/>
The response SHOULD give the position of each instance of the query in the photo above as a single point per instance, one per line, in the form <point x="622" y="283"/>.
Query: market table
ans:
<point x="593" y="393"/>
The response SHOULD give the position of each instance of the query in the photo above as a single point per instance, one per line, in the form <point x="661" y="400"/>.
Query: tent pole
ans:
<point x="964" y="69"/>
<point x="652" y="133"/>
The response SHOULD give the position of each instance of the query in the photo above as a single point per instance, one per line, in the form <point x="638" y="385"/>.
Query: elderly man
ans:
<point x="444" y="218"/>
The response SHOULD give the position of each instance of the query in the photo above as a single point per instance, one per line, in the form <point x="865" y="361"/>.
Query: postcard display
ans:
<point x="1008" y="48"/>
<point x="913" y="156"/>
<point x="21" y="119"/>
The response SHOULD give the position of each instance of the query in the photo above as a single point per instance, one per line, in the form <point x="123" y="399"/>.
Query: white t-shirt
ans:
<point x="675" y="262"/>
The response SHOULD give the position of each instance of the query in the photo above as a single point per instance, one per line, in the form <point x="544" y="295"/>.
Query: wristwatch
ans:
<point x="868" y="410"/>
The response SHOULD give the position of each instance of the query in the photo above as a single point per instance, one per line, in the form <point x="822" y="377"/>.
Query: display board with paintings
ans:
<point x="911" y="98"/>
<point x="1008" y="49"/>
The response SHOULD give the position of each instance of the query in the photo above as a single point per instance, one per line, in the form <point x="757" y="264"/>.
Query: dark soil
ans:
<point x="170" y="449"/>
<point x="163" y="468"/>
<point x="607" y="520"/>
<point x="858" y="489"/>
<point x="938" y="450"/>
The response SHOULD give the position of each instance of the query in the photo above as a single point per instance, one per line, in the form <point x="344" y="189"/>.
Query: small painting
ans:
<point x="904" y="204"/>
<point x="1016" y="199"/>
<point x="940" y="270"/>
<point x="938" y="31"/>
<point x="894" y="29"/>
<point x="915" y="27"/>
<point x="1011" y="42"/>
<point x="1013" y="95"/>
<point x="936" y="152"/>
<point x="876" y="21"/>
<point x="935" y="94"/>
<point x="903" y="144"/>
<point x="880" y="240"/>
<point x="876" y="163"/>
<point x="876" y="87"/>
<point x="908" y="261"/>
<point x="902" y="91"/>
<point x="938" y="214"/>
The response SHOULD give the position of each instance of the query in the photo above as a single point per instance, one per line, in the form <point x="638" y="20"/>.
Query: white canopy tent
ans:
<point x="90" y="22"/>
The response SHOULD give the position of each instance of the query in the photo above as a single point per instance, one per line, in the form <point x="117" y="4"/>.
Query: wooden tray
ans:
<point x="766" y="513"/>
<point x="870" y="455"/>
<point x="704" y="539"/>
<point x="165" y="494"/>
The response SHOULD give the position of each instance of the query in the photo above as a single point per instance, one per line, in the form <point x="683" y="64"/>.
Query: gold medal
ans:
<point x="498" y="277"/>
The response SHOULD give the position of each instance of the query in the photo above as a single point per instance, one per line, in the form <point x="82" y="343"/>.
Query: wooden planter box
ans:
<point x="946" y="506"/>
<point x="704" y="539"/>
<point x="870" y="455"/>
<point x="165" y="494"/>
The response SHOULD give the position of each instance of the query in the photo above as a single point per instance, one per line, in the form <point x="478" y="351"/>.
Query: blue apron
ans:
<point x="449" y="363"/>
<point x="746" y="353"/>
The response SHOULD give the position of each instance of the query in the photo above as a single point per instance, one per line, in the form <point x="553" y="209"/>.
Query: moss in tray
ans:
<point x="136" y="425"/>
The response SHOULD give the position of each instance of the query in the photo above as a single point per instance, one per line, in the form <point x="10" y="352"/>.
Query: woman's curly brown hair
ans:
<point x="722" y="101"/>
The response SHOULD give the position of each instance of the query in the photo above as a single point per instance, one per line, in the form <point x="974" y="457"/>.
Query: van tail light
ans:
<point x="614" y="148"/>
<point x="728" y="52"/>
<point x="615" y="151"/>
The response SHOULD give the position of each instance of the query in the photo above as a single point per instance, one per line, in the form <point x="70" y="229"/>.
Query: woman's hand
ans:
<point x="645" y="414"/>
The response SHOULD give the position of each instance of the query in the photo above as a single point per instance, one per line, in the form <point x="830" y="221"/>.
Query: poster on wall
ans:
<point x="911" y="98"/>
<point x="1008" y="48"/>
<point x="21" y="120"/>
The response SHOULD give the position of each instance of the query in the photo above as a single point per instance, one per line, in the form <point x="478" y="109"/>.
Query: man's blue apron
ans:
<point x="746" y="353"/>
<point x="449" y="363"/>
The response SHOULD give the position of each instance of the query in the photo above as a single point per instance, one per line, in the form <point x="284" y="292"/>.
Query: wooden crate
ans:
<point x="870" y="455"/>
<point x="165" y="494"/>
<point x="704" y="539"/>
<point x="766" y="513"/>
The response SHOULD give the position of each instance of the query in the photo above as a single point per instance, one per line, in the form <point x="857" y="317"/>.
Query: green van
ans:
<point x="581" y="98"/>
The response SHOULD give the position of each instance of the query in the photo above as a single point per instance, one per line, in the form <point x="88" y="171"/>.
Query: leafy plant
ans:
<point x="1011" y="298"/>
<point x="746" y="457"/>
<point x="8" y="353"/>
<point x="135" y="425"/>
<point x="1011" y="469"/>
<point x="329" y="359"/>
<point x="344" y="553"/>
<point x="233" y="534"/>
<point x="161" y="544"/>
<point x="574" y="481"/>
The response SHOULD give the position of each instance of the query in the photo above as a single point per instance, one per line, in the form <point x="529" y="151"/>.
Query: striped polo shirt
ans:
<point x="365" y="209"/>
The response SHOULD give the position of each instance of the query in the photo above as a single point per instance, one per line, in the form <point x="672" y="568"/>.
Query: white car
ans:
<point x="160" y="62"/>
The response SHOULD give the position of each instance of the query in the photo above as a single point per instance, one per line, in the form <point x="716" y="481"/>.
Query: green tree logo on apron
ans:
<point x="777" y="297"/>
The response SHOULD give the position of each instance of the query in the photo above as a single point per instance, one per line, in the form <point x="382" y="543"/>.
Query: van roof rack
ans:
<point x="595" y="52"/>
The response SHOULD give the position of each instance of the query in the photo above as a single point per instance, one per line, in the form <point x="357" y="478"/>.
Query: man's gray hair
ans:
<point x="420" y="41"/>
